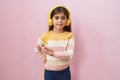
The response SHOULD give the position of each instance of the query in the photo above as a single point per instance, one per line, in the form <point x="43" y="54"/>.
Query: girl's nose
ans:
<point x="59" y="20"/>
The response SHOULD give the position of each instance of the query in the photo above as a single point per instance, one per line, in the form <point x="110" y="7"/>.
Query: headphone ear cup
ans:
<point x="68" y="22"/>
<point x="50" y="22"/>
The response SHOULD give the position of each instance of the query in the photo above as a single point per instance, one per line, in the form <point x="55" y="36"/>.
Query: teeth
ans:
<point x="60" y="24"/>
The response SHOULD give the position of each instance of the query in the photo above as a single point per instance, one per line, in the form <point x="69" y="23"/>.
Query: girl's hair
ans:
<point x="57" y="10"/>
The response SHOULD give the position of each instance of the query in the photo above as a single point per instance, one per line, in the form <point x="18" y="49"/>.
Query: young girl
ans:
<point x="56" y="47"/>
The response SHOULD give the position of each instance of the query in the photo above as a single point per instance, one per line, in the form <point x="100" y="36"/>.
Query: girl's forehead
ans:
<point x="60" y="14"/>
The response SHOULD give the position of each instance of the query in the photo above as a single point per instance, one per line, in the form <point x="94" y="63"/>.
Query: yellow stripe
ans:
<point x="59" y="36"/>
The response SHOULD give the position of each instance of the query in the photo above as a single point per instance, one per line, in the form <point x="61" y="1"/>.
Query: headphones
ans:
<point x="50" y="23"/>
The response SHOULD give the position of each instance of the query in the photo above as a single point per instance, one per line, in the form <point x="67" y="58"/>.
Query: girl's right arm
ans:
<point x="39" y="47"/>
<point x="38" y="50"/>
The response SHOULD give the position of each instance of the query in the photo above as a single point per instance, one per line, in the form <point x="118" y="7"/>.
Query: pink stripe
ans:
<point x="58" y="54"/>
<point x="61" y="48"/>
<point x="55" y="68"/>
<point x="58" y="48"/>
<point x="70" y="47"/>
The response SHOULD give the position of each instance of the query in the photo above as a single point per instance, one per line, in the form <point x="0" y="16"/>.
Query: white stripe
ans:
<point x="52" y="58"/>
<point x="71" y="41"/>
<point x="40" y="42"/>
<point x="71" y="53"/>
<point x="60" y="43"/>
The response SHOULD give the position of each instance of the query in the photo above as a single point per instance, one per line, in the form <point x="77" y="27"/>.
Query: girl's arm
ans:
<point x="40" y="44"/>
<point x="38" y="50"/>
<point x="67" y="54"/>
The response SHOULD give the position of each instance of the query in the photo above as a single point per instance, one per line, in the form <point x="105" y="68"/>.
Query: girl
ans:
<point x="56" y="47"/>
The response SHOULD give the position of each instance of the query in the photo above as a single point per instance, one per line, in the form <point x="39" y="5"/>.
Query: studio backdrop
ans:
<point x="95" y="24"/>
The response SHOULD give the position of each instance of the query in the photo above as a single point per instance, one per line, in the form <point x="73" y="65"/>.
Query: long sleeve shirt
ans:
<point x="63" y="46"/>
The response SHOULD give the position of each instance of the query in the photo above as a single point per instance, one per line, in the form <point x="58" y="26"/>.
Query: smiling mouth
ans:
<point x="59" y="24"/>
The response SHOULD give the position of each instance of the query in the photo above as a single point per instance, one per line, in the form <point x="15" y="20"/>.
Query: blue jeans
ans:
<point x="58" y="75"/>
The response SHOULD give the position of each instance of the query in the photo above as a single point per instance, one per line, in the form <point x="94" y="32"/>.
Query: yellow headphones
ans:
<point x="50" y="23"/>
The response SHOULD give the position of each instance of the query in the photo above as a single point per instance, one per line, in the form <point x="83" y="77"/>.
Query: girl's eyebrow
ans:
<point x="61" y="16"/>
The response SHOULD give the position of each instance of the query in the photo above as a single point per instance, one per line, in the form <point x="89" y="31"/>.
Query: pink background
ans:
<point x="95" y="24"/>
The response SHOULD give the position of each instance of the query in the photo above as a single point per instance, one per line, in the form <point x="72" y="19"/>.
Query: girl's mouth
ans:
<point x="59" y="24"/>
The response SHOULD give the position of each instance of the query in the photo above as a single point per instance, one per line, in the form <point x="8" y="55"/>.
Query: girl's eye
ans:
<point x="56" y="17"/>
<point x="63" y="18"/>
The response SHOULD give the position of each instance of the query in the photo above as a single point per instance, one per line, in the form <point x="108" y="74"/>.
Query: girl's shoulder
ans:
<point x="44" y="35"/>
<point x="69" y="33"/>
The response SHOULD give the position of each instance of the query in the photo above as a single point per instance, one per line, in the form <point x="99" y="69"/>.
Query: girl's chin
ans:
<point x="59" y="26"/>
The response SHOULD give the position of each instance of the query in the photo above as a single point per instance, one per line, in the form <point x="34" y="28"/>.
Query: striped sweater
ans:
<point x="63" y="46"/>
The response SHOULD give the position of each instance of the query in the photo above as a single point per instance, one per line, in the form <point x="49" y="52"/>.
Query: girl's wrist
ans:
<point x="51" y="53"/>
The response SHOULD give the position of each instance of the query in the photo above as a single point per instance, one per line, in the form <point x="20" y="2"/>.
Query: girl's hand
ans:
<point x="39" y="47"/>
<point x="48" y="51"/>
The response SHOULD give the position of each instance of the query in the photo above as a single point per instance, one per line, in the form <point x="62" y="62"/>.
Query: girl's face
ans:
<point x="59" y="21"/>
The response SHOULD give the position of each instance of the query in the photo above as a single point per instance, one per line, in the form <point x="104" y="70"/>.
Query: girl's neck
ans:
<point x="58" y="31"/>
